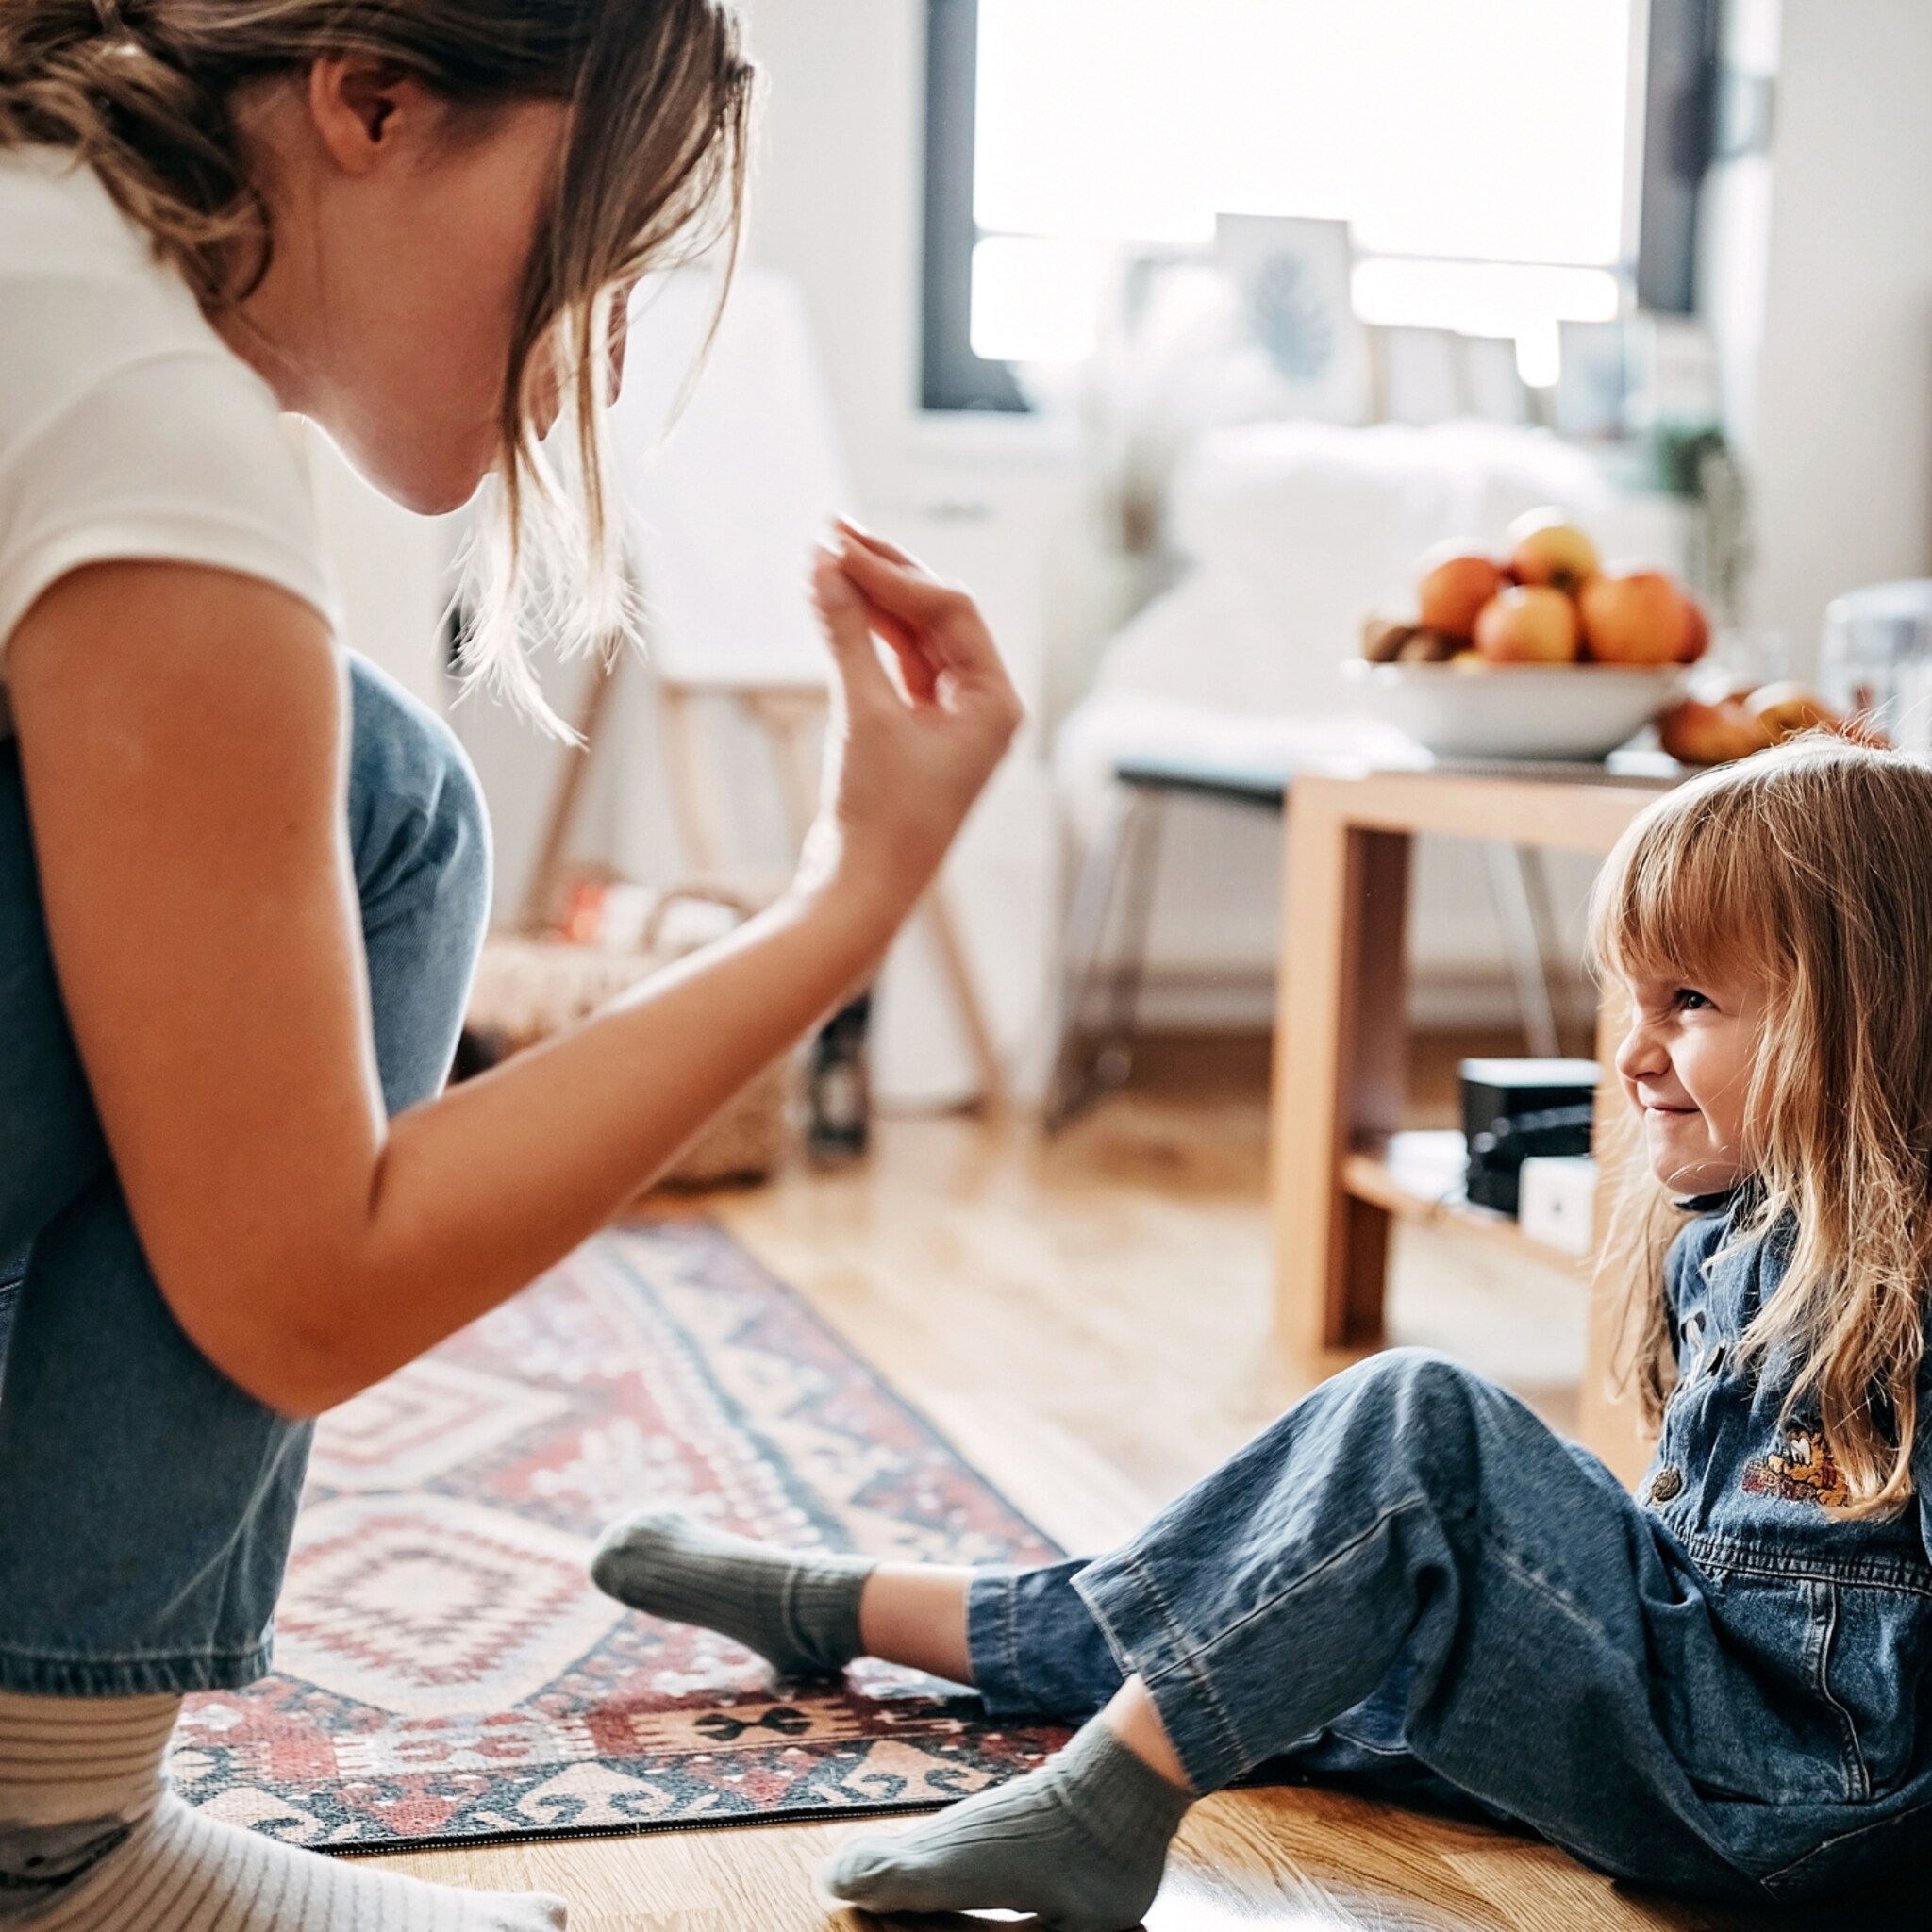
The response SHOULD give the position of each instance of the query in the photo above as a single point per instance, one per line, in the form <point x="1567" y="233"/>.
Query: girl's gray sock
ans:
<point x="1081" y="1842"/>
<point x="797" y="1610"/>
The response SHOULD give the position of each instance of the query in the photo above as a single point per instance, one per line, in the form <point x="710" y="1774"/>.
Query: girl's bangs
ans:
<point x="1687" y="895"/>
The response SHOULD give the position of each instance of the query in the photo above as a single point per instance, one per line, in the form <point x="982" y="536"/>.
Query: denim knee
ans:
<point x="414" y="800"/>
<point x="420" y="842"/>
<point x="1411" y="1418"/>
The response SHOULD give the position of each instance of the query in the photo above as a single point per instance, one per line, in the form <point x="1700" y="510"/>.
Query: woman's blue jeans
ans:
<point x="1409" y="1582"/>
<point x="145" y="1501"/>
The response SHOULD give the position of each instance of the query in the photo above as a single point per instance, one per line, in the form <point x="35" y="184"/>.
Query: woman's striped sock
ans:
<point x="93" y="1841"/>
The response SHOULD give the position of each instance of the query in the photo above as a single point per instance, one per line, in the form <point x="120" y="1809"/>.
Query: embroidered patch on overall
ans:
<point x="1804" y="1473"/>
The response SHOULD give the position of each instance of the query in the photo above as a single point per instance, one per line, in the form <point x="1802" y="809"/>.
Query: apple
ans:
<point x="1424" y="646"/>
<point x="1546" y="549"/>
<point x="1635" y="619"/>
<point x="1697" y="632"/>
<point x="1712" y="734"/>
<point x="1455" y="589"/>
<point x="1786" y="709"/>
<point x="1527" y="623"/>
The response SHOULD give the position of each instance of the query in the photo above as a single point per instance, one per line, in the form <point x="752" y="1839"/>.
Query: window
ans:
<point x="1485" y="153"/>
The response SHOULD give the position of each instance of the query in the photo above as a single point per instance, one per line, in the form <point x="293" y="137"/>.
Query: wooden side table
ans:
<point x="1341" y="1172"/>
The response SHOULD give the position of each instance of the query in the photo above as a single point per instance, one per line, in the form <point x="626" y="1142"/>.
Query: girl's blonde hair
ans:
<point x="1807" y="871"/>
<point x="660" y="96"/>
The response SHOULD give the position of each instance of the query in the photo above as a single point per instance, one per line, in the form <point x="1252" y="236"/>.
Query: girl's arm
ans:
<point x="183" y="736"/>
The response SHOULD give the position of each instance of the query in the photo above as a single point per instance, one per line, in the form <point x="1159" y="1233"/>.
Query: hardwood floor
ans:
<point x="1089" y="1319"/>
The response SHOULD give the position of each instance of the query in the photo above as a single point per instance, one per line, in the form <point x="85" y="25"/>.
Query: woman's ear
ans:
<point x="364" y="109"/>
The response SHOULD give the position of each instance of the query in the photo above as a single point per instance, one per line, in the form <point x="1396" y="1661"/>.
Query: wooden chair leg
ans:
<point x="540" y="896"/>
<point x="685" y="772"/>
<point x="1076" y="1078"/>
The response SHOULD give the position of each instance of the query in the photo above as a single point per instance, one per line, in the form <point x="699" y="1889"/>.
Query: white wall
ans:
<point x="1831" y="393"/>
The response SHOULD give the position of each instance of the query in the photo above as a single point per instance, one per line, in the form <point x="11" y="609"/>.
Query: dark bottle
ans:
<point x="837" y="1087"/>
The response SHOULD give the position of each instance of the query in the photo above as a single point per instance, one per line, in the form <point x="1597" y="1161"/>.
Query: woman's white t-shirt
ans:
<point x="127" y="429"/>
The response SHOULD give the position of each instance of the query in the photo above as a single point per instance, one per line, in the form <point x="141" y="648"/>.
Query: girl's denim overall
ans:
<point x="145" y="1502"/>
<point x="1409" y="1581"/>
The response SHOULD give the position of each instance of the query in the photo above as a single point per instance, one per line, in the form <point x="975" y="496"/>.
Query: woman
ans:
<point x="242" y="887"/>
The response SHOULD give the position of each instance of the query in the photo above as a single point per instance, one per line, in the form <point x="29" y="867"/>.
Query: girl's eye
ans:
<point x="1687" y="999"/>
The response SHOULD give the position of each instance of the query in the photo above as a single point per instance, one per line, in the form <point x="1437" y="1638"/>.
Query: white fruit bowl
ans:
<point x="1517" y="710"/>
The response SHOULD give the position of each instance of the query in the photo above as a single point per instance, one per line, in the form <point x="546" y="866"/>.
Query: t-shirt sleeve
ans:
<point x="181" y="457"/>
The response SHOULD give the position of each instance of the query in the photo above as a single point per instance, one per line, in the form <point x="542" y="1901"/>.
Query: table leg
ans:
<point x="1610" y="1425"/>
<point x="1340" y="1068"/>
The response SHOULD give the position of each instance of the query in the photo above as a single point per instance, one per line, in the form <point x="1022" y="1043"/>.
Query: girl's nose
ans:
<point x="1641" y="1056"/>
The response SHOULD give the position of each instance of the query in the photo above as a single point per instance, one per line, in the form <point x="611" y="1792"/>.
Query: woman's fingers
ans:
<point x="921" y="675"/>
<point x="902" y="589"/>
<point x="844" y="609"/>
<point x="879" y="545"/>
<point x="935" y="630"/>
<point x="848" y="626"/>
<point x="945" y="623"/>
<point x="918" y="667"/>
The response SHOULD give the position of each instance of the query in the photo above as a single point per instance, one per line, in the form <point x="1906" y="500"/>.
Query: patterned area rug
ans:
<point x="446" y="1674"/>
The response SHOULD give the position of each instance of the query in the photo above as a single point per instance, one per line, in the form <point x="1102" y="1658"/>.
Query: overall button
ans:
<point x="1666" y="1483"/>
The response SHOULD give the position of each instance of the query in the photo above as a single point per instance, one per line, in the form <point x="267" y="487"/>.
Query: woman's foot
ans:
<point x="178" y="1871"/>
<point x="1080" y="1843"/>
<point x="799" y="1610"/>
<point x="93" y="1841"/>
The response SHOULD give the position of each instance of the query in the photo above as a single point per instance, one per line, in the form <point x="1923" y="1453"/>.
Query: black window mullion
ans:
<point x="952" y="377"/>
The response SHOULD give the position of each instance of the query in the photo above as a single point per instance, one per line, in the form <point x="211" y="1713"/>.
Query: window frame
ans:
<point x="1679" y="89"/>
<point x="952" y="379"/>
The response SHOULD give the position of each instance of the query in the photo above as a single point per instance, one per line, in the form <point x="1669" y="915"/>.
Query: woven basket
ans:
<point x="528" y="988"/>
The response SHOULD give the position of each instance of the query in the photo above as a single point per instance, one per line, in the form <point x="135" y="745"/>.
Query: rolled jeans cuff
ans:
<point x="1035" y="1648"/>
<point x="161" y="1674"/>
<point x="1150" y="1643"/>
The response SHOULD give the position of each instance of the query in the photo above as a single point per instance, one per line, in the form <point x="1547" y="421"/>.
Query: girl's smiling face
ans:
<point x="1686" y="1065"/>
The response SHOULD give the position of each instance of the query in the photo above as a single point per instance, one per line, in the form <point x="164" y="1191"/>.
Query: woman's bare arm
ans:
<point x="183" y="733"/>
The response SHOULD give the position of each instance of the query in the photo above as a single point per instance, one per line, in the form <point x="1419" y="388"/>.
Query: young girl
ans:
<point x="1409" y="1581"/>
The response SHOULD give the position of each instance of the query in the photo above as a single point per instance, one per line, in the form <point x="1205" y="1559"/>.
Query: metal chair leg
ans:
<point x="1113" y="1060"/>
<point x="1534" y="863"/>
<point x="1090" y="1058"/>
<point x="1516" y="912"/>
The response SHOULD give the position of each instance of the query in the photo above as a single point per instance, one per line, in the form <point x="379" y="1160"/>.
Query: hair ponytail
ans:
<point x="144" y="93"/>
<point x="99" y="78"/>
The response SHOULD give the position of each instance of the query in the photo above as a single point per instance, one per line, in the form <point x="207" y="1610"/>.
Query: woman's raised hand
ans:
<point x="904" y="759"/>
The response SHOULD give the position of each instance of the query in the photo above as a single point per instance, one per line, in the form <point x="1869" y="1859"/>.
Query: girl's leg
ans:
<point x="1406" y="1523"/>
<point x="149" y="1501"/>
<point x="1023" y="1637"/>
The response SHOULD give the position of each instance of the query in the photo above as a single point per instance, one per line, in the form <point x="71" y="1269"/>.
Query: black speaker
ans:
<point x="1514" y="1108"/>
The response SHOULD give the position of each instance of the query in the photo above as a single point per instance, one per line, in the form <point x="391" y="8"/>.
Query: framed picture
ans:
<point x="1292" y="277"/>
